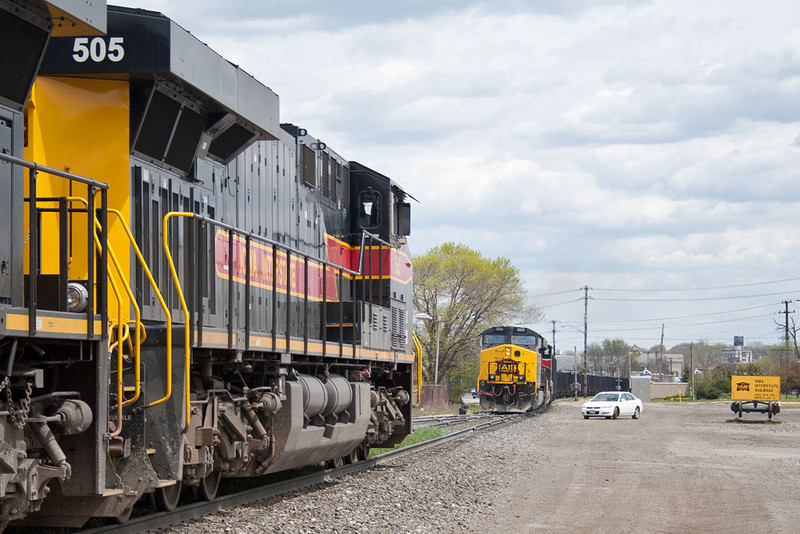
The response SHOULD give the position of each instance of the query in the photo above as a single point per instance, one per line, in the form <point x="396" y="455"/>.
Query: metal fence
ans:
<point x="566" y="383"/>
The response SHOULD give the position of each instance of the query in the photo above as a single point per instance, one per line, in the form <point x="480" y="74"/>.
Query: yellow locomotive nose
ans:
<point x="510" y="370"/>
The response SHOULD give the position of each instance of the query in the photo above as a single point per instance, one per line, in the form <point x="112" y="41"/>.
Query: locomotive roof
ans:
<point x="517" y="330"/>
<point x="155" y="47"/>
<point x="358" y="167"/>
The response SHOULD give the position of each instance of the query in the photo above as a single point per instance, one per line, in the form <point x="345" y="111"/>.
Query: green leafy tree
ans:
<point x="714" y="383"/>
<point x="463" y="293"/>
<point x="790" y="381"/>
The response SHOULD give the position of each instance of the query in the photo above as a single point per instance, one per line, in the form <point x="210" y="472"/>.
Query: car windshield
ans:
<point x="606" y="397"/>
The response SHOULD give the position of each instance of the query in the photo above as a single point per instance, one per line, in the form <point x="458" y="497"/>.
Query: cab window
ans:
<point x="492" y="340"/>
<point x="369" y="209"/>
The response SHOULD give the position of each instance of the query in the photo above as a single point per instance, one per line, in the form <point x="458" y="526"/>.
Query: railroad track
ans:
<point x="439" y="421"/>
<point x="189" y="512"/>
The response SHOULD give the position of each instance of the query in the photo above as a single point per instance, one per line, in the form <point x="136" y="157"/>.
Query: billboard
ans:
<point x="760" y="388"/>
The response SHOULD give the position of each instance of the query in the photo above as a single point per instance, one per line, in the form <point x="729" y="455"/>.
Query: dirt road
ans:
<point x="680" y="468"/>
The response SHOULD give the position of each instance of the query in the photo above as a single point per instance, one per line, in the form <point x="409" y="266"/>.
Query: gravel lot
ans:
<point x="687" y="467"/>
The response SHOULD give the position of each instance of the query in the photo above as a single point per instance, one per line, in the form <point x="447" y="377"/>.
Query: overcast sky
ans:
<point x="646" y="149"/>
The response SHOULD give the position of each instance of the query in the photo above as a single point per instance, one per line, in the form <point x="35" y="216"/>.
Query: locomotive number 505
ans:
<point x="97" y="50"/>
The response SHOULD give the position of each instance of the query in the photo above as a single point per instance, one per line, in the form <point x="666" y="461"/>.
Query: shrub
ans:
<point x="455" y="394"/>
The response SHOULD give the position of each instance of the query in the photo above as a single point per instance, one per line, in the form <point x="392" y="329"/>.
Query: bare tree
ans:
<point x="789" y="335"/>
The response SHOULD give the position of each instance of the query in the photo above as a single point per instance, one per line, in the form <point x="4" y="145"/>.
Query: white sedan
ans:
<point x="612" y="404"/>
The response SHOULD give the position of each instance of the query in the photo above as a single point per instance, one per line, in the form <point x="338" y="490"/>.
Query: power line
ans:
<point x="726" y="316"/>
<point x="686" y="316"/>
<point x="680" y="325"/>
<point x="555" y="293"/>
<point x="696" y="299"/>
<point x="559" y="304"/>
<point x="710" y="288"/>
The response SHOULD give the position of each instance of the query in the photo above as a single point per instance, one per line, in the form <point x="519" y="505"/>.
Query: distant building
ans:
<point x="737" y="355"/>
<point x="674" y="364"/>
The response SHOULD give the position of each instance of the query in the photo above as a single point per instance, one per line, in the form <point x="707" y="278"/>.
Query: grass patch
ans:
<point x="423" y="434"/>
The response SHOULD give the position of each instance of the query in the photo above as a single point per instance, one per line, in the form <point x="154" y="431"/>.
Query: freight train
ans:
<point x="189" y="288"/>
<point x="515" y="370"/>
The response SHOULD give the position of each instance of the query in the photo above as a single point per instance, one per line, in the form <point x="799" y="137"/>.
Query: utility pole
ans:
<point x="786" y="313"/>
<point x="629" y="370"/>
<point x="553" y="374"/>
<point x="585" y="337"/>
<point x="691" y="365"/>
<point x="659" y="352"/>
<point x="575" y="370"/>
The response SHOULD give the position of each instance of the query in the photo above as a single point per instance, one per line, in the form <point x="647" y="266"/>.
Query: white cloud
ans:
<point x="616" y="144"/>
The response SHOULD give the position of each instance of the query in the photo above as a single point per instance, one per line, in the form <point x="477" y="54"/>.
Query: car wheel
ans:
<point x="635" y="413"/>
<point x="586" y="417"/>
<point x="616" y="413"/>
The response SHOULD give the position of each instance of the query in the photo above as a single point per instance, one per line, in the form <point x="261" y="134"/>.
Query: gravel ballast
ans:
<point x="444" y="489"/>
<point x="681" y="467"/>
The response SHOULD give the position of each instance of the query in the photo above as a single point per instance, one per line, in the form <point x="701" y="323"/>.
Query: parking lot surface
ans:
<point x="688" y="467"/>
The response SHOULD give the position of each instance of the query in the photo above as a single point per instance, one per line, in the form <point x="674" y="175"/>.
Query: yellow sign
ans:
<point x="760" y="388"/>
<point x="507" y="367"/>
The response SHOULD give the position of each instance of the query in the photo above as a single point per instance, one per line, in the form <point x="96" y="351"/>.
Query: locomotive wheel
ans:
<point x="208" y="487"/>
<point x="125" y="515"/>
<point x="334" y="463"/>
<point x="166" y="498"/>
<point x="362" y="452"/>
<point x="351" y="458"/>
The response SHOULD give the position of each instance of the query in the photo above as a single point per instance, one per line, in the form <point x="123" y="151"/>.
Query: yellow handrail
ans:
<point x="161" y="301"/>
<point x="137" y="321"/>
<point x="137" y="311"/>
<point x="120" y="388"/>
<point x="418" y="349"/>
<point x="120" y="325"/>
<point x="187" y="347"/>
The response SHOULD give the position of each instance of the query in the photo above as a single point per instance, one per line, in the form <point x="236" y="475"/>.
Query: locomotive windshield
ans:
<point x="530" y="342"/>
<point x="492" y="340"/>
<point x="527" y="341"/>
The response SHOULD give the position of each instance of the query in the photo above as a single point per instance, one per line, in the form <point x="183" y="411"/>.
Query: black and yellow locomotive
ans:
<point x="515" y="370"/>
<point x="189" y="289"/>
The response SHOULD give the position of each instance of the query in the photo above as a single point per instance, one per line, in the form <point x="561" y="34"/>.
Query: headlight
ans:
<point x="522" y="378"/>
<point x="77" y="297"/>
<point x="492" y="377"/>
